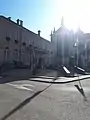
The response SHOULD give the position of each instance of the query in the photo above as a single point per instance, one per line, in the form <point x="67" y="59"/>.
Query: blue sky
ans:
<point x="36" y="14"/>
<point x="45" y="14"/>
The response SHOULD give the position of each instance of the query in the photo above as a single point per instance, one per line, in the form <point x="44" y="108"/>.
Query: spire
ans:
<point x="51" y="33"/>
<point x="54" y="30"/>
<point x="62" y="21"/>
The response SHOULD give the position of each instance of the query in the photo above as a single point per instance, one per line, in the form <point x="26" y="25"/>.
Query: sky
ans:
<point x="44" y="15"/>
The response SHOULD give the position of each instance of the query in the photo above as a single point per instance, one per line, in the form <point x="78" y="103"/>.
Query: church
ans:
<point x="70" y="48"/>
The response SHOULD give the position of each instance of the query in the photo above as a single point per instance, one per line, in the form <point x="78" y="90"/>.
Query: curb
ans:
<point x="60" y="82"/>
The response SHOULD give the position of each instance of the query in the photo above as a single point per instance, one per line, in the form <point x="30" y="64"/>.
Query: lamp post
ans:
<point x="63" y="59"/>
<point x="76" y="46"/>
<point x="86" y="54"/>
<point x="77" y="51"/>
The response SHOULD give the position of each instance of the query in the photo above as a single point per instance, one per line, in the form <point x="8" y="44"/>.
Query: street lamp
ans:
<point x="76" y="46"/>
<point x="77" y="50"/>
<point x="86" y="54"/>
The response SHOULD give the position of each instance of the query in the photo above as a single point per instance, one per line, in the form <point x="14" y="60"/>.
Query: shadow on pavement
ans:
<point x="4" y="80"/>
<point x="80" y="89"/>
<point x="20" y="75"/>
<point x="15" y="75"/>
<point x="7" y="79"/>
<point x="21" y="105"/>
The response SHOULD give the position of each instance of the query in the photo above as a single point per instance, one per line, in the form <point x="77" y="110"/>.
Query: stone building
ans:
<point x="70" y="48"/>
<point x="18" y="44"/>
<point x="63" y="45"/>
<point x="22" y="45"/>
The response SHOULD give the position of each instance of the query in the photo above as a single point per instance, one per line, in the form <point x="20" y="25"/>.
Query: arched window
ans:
<point x="7" y="38"/>
<point x="6" y="54"/>
<point x="16" y="54"/>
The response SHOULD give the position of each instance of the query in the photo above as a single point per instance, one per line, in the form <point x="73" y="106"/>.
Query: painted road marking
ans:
<point x="27" y="85"/>
<point x="21" y="86"/>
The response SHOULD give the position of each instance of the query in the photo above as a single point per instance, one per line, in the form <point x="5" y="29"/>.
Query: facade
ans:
<point x="84" y="50"/>
<point x="18" y="44"/>
<point x="22" y="45"/>
<point x="63" y="45"/>
<point x="71" y="48"/>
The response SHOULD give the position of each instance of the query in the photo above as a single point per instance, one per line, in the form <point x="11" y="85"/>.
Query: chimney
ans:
<point x="21" y="23"/>
<point x="18" y="21"/>
<point x="39" y="32"/>
<point x="9" y="18"/>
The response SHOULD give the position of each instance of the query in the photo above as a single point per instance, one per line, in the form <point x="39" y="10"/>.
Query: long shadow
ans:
<point x="7" y="79"/>
<point x="21" y="105"/>
<point x="80" y="89"/>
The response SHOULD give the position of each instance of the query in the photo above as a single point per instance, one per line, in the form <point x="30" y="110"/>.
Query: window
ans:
<point x="6" y="53"/>
<point x="16" y="54"/>
<point x="6" y="48"/>
<point x="24" y="44"/>
<point x="8" y="38"/>
<point x="16" y="41"/>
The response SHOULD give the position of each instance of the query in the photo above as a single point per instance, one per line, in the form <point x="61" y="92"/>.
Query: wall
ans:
<point x="10" y="29"/>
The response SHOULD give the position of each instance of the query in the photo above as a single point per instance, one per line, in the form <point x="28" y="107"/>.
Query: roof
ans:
<point x="62" y="29"/>
<point x="1" y="16"/>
